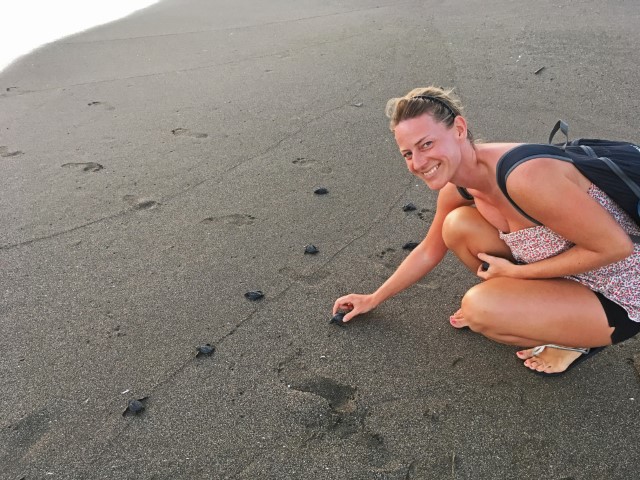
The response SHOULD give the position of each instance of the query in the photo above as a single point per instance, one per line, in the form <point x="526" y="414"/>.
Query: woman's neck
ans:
<point x="476" y="167"/>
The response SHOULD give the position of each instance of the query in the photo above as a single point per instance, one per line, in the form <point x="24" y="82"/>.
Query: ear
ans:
<point x="460" y="126"/>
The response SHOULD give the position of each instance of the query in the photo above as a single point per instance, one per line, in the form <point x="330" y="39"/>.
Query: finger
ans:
<point x="485" y="257"/>
<point x="482" y="273"/>
<point x="349" y="316"/>
<point x="485" y="261"/>
<point x="336" y="306"/>
<point x="339" y="303"/>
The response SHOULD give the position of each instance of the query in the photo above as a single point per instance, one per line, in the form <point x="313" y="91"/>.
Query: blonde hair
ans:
<point x="441" y="104"/>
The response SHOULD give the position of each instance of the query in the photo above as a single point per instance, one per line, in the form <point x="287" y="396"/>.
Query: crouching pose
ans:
<point x="562" y="286"/>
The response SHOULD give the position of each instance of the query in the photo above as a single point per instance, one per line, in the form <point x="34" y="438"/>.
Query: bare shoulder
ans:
<point x="542" y="171"/>
<point x="492" y="152"/>
<point x="552" y="191"/>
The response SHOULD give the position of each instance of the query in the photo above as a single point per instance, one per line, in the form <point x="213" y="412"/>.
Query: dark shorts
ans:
<point x="618" y="318"/>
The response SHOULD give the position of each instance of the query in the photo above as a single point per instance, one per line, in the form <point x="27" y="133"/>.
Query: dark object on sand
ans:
<point x="409" y="207"/>
<point x="134" y="407"/>
<point x="321" y="191"/>
<point x="311" y="249"/>
<point x="255" y="295"/>
<point x="410" y="245"/>
<point x="205" y="350"/>
<point x="338" y="318"/>
<point x="484" y="267"/>
<point x="538" y="70"/>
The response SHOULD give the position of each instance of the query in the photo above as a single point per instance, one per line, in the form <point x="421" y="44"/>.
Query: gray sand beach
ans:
<point x="155" y="169"/>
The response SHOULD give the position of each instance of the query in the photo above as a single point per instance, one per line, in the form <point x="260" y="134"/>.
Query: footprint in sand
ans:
<point x="84" y="166"/>
<point x="309" y="162"/>
<point x="345" y="418"/>
<point x="139" y="203"/>
<point x="341" y="398"/>
<point x="10" y="91"/>
<point x="389" y="258"/>
<point x="235" y="219"/>
<point x="303" y="161"/>
<point x="425" y="214"/>
<point x="184" y="132"/>
<point x="105" y="105"/>
<point x="383" y="253"/>
<point x="5" y="153"/>
<point x="307" y="276"/>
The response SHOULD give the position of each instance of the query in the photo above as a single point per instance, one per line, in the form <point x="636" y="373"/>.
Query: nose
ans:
<point x="419" y="160"/>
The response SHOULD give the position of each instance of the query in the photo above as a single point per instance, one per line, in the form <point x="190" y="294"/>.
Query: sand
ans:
<point x="156" y="169"/>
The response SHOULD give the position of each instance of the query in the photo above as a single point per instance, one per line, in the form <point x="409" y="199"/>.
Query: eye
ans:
<point x="407" y="155"/>
<point x="426" y="144"/>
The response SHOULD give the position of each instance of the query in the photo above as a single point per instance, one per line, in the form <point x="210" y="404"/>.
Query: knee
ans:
<point x="458" y="226"/>
<point x="481" y="304"/>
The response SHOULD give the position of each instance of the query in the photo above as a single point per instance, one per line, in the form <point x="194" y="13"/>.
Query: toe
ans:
<point x="525" y="354"/>
<point x="534" y="363"/>
<point x="543" y="368"/>
<point x="457" y="322"/>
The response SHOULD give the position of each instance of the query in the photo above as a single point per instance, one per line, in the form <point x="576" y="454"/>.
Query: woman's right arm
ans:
<point x="418" y="263"/>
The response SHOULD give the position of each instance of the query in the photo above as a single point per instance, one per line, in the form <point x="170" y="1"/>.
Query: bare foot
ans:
<point x="550" y="360"/>
<point x="457" y="320"/>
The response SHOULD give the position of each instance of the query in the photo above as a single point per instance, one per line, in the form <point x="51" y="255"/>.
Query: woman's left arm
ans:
<point x="552" y="195"/>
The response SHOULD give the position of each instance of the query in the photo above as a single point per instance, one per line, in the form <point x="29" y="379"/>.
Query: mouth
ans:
<point x="431" y="172"/>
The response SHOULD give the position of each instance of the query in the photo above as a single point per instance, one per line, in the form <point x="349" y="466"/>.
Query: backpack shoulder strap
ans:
<point x="520" y="154"/>
<point x="563" y="127"/>
<point x="464" y="193"/>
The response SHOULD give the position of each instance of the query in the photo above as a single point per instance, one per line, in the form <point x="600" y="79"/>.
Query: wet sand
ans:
<point x="156" y="169"/>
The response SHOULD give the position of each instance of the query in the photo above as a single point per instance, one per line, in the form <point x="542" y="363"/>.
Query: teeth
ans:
<point x="431" y="171"/>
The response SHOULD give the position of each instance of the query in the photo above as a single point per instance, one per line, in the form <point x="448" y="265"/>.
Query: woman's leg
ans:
<point x="466" y="233"/>
<point x="523" y="312"/>
<point x="537" y="312"/>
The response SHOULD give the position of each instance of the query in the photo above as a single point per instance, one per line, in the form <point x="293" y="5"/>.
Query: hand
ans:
<point x="355" y="304"/>
<point x="498" y="267"/>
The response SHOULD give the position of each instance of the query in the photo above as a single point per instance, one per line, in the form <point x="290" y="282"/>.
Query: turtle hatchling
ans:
<point x="338" y="318"/>
<point x="255" y="295"/>
<point x="410" y="245"/>
<point x="321" y="191"/>
<point x="205" y="350"/>
<point x="311" y="249"/>
<point x="134" y="407"/>
<point x="409" y="207"/>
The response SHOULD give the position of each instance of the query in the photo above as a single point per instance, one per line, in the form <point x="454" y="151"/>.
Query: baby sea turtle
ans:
<point x="410" y="245"/>
<point x="134" y="407"/>
<point x="205" y="350"/>
<point x="255" y="295"/>
<point x="311" y="249"/>
<point x="409" y="207"/>
<point x="338" y="318"/>
<point x="321" y="191"/>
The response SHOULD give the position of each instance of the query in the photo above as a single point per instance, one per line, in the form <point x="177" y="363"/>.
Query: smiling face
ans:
<point x="431" y="149"/>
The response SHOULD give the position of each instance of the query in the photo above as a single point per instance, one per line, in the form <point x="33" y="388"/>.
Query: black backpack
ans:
<point x="612" y="166"/>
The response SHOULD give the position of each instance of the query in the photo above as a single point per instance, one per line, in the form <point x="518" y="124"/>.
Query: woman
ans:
<point x="570" y="284"/>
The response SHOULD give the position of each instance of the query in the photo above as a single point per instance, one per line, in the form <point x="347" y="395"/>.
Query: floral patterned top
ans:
<point x="619" y="282"/>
